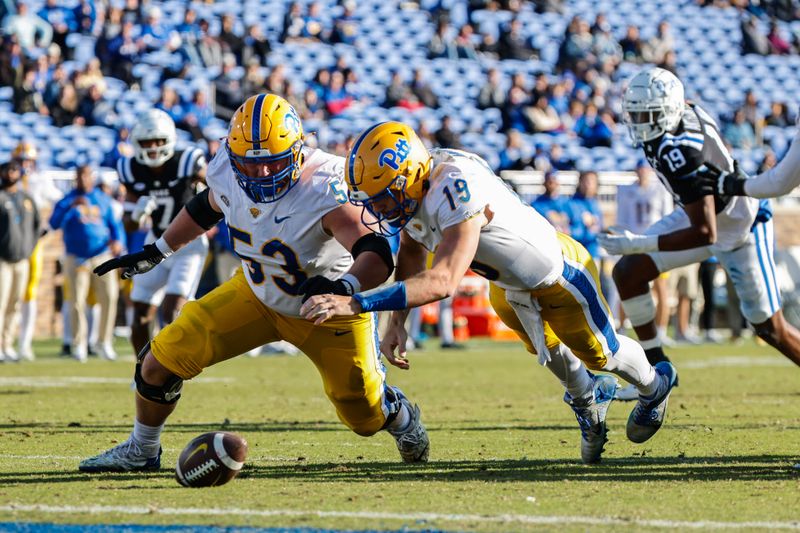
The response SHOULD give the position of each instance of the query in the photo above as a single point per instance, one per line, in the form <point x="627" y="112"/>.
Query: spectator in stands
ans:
<point x="604" y="45"/>
<point x="558" y="161"/>
<point x="19" y="232"/>
<point x="442" y="44"/>
<point x="52" y="92"/>
<point x="110" y="30"/>
<point x="85" y="16"/>
<point x="227" y="89"/>
<point x="345" y="26"/>
<point x="26" y="97"/>
<point x="559" y="98"/>
<point x="96" y="110"/>
<point x="593" y="128"/>
<point x="769" y="161"/>
<point x="65" y="111"/>
<point x="170" y="103"/>
<point x="489" y="48"/>
<point x="132" y="10"/>
<point x="276" y="80"/>
<point x="422" y="90"/>
<point x="778" y="45"/>
<point x="752" y="113"/>
<point x="465" y="48"/>
<point x="514" y="45"/>
<point x="739" y="133"/>
<point x="514" y="116"/>
<point x="91" y="75"/>
<point x="292" y="23"/>
<point x="209" y="48"/>
<point x="31" y="31"/>
<point x="198" y="115"/>
<point x="12" y="63"/>
<point x="577" y="47"/>
<point x="492" y="94"/>
<point x="313" y="24"/>
<point x="543" y="117"/>
<point x="445" y="136"/>
<point x="256" y="45"/>
<point x="585" y="217"/>
<point x="122" y="148"/>
<point x="61" y="20"/>
<point x="551" y="205"/>
<point x="753" y="41"/>
<point x="511" y="156"/>
<point x="253" y="80"/>
<point x="670" y="62"/>
<point x="337" y="98"/>
<point x="124" y="50"/>
<point x="91" y="236"/>
<point x="231" y="41"/>
<point x="549" y="6"/>
<point x="661" y="43"/>
<point x="632" y="45"/>
<point x="153" y="34"/>
<point x="779" y="115"/>
<point x="398" y="93"/>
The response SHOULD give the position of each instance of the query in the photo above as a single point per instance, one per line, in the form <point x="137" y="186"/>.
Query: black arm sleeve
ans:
<point x="376" y="244"/>
<point x="199" y="208"/>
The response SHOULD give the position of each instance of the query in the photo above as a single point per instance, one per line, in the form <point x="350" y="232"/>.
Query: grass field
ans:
<point x="504" y="448"/>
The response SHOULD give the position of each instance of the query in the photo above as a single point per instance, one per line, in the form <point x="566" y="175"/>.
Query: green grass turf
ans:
<point x="502" y="442"/>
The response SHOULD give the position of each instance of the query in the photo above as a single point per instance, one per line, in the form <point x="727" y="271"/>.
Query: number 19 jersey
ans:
<point x="283" y="243"/>
<point x="518" y="248"/>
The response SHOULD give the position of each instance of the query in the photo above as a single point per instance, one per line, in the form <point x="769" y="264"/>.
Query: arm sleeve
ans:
<point x="781" y="178"/>
<point x="59" y="213"/>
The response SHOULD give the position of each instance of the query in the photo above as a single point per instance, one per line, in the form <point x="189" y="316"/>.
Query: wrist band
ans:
<point x="352" y="283"/>
<point x="163" y="247"/>
<point x="389" y="298"/>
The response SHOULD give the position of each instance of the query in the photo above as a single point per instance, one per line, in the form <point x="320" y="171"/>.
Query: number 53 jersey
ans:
<point x="517" y="249"/>
<point x="283" y="243"/>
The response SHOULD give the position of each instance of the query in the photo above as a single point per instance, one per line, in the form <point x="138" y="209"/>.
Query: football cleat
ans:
<point x="649" y="413"/>
<point x="591" y="416"/>
<point x="413" y="443"/>
<point x="627" y="394"/>
<point x="125" y="457"/>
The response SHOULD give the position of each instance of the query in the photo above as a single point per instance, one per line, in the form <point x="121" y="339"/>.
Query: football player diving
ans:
<point x="544" y="285"/>
<point x="159" y="180"/>
<point x="297" y="235"/>
<point x="683" y="144"/>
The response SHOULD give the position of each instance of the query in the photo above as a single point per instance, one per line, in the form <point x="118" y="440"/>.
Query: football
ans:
<point x="211" y="459"/>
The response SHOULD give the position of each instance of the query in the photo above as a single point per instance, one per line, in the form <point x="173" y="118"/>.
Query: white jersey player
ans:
<point x="297" y="236"/>
<point x="641" y="204"/>
<point x="544" y="285"/>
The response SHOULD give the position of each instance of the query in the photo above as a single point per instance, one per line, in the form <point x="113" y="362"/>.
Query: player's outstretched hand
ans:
<point x="395" y="340"/>
<point x="624" y="242"/>
<point x="133" y="264"/>
<point x="322" y="285"/>
<point x="322" y="307"/>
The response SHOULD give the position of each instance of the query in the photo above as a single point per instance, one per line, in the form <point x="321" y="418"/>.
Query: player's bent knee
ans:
<point x="167" y="392"/>
<point x="358" y="414"/>
<point x="769" y="331"/>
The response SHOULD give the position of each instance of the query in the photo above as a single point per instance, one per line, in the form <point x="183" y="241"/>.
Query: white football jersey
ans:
<point x="282" y="243"/>
<point x="640" y="207"/>
<point x="518" y="248"/>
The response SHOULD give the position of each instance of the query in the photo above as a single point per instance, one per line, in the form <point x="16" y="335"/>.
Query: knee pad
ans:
<point x="640" y="309"/>
<point x="168" y="393"/>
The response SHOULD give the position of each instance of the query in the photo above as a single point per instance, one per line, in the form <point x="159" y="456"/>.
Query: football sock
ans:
<point x="402" y="421"/>
<point x="656" y="355"/>
<point x="28" y="316"/>
<point x="570" y="372"/>
<point x="148" y="437"/>
<point x="631" y="364"/>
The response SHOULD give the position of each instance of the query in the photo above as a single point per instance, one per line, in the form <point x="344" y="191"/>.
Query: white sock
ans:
<point x="148" y="437"/>
<point x="570" y="372"/>
<point x="129" y="316"/>
<point x="66" y="323"/>
<point x="28" y="315"/>
<point x="401" y="421"/>
<point x="446" y="320"/>
<point x="630" y="363"/>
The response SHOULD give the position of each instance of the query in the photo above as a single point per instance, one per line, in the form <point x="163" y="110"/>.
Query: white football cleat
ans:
<point x="108" y="353"/>
<point x="413" y="443"/>
<point x="591" y="416"/>
<point x="125" y="457"/>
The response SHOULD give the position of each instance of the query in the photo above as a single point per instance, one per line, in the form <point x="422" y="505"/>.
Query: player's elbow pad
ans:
<point x="199" y="208"/>
<point x="372" y="242"/>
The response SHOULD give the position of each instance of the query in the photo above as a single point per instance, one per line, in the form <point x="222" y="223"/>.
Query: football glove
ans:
<point x="145" y="206"/>
<point x="323" y="285"/>
<point x="627" y="243"/>
<point x="724" y="183"/>
<point x="133" y="264"/>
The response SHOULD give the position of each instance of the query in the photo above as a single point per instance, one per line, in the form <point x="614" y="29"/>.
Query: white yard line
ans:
<point x="734" y="360"/>
<point x="501" y="519"/>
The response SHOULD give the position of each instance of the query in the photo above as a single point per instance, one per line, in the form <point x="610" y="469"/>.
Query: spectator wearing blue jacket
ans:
<point x="91" y="235"/>
<point x="586" y="220"/>
<point x="551" y="205"/>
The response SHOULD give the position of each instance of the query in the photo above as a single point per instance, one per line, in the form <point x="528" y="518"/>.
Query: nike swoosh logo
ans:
<point x="278" y="219"/>
<point x="340" y="333"/>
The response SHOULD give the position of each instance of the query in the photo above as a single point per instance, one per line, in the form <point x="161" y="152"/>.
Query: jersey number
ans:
<point x="463" y="193"/>
<point x="270" y="248"/>
<point x="675" y="159"/>
<point x="166" y="204"/>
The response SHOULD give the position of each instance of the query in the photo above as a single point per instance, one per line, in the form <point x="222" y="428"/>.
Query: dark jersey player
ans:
<point x="160" y="180"/>
<point x="682" y="142"/>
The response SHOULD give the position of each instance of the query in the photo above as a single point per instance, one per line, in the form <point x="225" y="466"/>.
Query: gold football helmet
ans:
<point x="264" y="145"/>
<point x="387" y="173"/>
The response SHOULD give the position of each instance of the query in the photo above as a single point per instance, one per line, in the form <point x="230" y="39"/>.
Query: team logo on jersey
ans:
<point x="395" y="157"/>
<point x="225" y="200"/>
<point x="255" y="212"/>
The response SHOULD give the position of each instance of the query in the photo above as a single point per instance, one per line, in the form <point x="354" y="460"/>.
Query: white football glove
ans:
<point x="145" y="206"/>
<point x="627" y="243"/>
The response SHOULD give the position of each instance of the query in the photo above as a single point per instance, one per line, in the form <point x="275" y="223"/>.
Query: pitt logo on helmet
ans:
<point x="264" y="146"/>
<point x="387" y="174"/>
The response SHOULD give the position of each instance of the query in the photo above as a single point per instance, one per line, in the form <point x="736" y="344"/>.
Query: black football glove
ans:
<point x="137" y="263"/>
<point x="323" y="285"/>
<point x="724" y="183"/>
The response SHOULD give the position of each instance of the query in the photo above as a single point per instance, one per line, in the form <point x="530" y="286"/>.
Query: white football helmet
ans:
<point x="155" y="124"/>
<point x="653" y="104"/>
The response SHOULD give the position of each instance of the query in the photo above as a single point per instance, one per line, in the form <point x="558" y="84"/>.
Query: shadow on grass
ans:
<point x="634" y="470"/>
